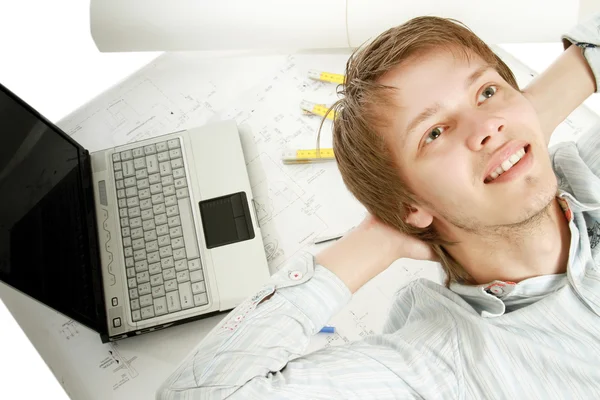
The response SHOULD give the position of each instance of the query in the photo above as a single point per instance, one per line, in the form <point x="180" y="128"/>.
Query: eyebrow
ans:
<point x="431" y="111"/>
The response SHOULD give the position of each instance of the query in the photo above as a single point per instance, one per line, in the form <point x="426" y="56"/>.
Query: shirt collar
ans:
<point x="491" y="299"/>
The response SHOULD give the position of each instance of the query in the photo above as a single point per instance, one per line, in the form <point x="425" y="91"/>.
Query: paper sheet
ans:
<point x="172" y="25"/>
<point x="507" y="21"/>
<point x="142" y="25"/>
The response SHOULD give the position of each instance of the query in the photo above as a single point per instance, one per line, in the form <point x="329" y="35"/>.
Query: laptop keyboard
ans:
<point x="164" y="272"/>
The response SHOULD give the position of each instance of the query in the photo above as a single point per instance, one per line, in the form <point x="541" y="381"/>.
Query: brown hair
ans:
<point x="364" y="158"/>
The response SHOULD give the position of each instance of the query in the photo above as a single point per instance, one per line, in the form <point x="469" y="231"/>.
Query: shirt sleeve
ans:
<point x="578" y="164"/>
<point x="246" y="355"/>
<point x="587" y="36"/>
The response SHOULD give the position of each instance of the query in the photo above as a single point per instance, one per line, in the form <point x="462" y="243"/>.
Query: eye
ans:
<point x="488" y="92"/>
<point x="434" y="134"/>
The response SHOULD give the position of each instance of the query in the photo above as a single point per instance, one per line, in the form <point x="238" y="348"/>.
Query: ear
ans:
<point x="418" y="217"/>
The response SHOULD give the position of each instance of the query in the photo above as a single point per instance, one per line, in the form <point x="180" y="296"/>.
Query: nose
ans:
<point x="483" y="128"/>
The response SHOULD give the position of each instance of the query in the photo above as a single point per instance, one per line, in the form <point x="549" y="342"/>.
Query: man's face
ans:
<point x="456" y="121"/>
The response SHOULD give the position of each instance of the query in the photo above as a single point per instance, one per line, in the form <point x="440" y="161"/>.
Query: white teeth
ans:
<point x="514" y="158"/>
<point x="506" y="165"/>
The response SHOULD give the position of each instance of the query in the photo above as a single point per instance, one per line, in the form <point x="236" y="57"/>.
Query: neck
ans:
<point x="517" y="253"/>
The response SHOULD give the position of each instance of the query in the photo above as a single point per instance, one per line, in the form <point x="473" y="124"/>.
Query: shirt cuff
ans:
<point x="587" y="36"/>
<point x="319" y="298"/>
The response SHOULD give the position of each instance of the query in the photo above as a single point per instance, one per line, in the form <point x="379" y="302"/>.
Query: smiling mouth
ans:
<point x="507" y="164"/>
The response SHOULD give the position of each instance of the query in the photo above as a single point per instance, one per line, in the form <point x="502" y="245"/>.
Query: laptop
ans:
<point x="130" y="239"/>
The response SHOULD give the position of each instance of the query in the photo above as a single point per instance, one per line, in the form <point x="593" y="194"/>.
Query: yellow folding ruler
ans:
<point x="326" y="76"/>
<point x="317" y="109"/>
<point x="307" y="156"/>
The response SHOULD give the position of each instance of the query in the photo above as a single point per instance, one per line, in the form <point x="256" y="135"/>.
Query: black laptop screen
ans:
<point x="44" y="240"/>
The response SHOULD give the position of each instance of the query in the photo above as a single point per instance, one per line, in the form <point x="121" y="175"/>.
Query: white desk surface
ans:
<point x="50" y="61"/>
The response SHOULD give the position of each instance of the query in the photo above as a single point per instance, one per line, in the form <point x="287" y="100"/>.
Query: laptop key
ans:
<point x="178" y="173"/>
<point x="154" y="178"/>
<point x="146" y="300"/>
<point x="185" y="295"/>
<point x="160" y="219"/>
<point x="173" y="301"/>
<point x="144" y="194"/>
<point x="153" y="257"/>
<point x="180" y="183"/>
<point x="158" y="291"/>
<point x="159" y="208"/>
<point x="160" y="305"/>
<point x="128" y="169"/>
<point x="134" y="212"/>
<point x="135" y="222"/>
<point x="150" y="149"/>
<point x="166" y="180"/>
<point x="144" y="289"/>
<point x="181" y="265"/>
<point x="143" y="277"/>
<point x="173" y="143"/>
<point x="176" y="162"/>
<point x="194" y="264"/>
<point x="198" y="287"/>
<point x="156" y="280"/>
<point x="141" y="266"/>
<point x="135" y="315"/>
<point x="129" y="182"/>
<point x="133" y="293"/>
<point x="145" y="203"/>
<point x="141" y="173"/>
<point x="138" y="152"/>
<point x="152" y="164"/>
<point x="169" y="190"/>
<point x="200" y="299"/>
<point x="163" y="156"/>
<point x="196" y="275"/>
<point x="138" y="244"/>
<point x="135" y="304"/>
<point x="155" y="268"/>
<point x="153" y="245"/>
<point x="139" y="163"/>
<point x="131" y="272"/>
<point x="162" y="146"/>
<point x="171" y="200"/>
<point x="175" y="232"/>
<point x="175" y="153"/>
<point x="183" y="276"/>
<point x="171" y="285"/>
<point x="165" y="251"/>
<point x="177" y="243"/>
<point x="143" y="183"/>
<point x="136" y="233"/>
<point x="169" y="274"/>
<point x="162" y="230"/>
<point x="178" y="254"/>
<point x="147" y="312"/>
<point x="131" y="283"/>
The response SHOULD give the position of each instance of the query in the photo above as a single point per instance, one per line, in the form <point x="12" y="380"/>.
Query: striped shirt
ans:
<point x="536" y="339"/>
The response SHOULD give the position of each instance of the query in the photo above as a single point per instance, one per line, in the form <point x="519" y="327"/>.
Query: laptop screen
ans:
<point x="45" y="247"/>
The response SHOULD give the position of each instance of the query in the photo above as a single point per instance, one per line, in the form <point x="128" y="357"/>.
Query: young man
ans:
<point x="451" y="160"/>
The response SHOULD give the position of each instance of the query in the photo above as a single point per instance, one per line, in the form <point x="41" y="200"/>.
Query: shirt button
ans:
<point x="497" y="290"/>
<point x="295" y="275"/>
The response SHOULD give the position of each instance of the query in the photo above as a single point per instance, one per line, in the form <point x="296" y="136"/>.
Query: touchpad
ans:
<point x="226" y="220"/>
